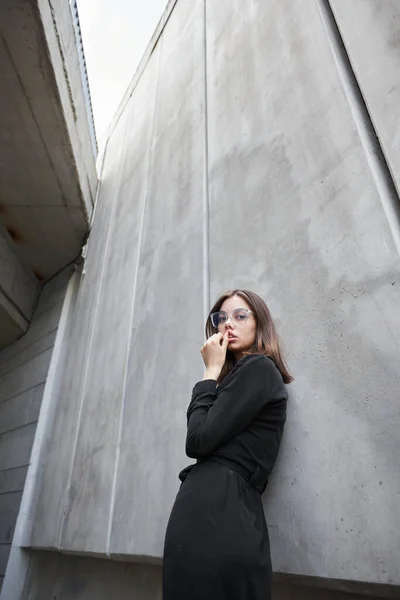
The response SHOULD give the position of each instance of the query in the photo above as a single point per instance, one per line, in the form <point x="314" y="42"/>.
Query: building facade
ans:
<point x="257" y="147"/>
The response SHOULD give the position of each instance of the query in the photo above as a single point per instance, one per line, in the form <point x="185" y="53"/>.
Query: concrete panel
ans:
<point x="12" y="480"/>
<point x="20" y="366"/>
<point x="27" y="354"/>
<point x="169" y="285"/>
<point x="295" y="216"/>
<point x="45" y="324"/>
<point x="91" y="440"/>
<point x="370" y="32"/>
<point x="92" y="479"/>
<point x="4" y="552"/>
<point x="25" y="377"/>
<point x="21" y="410"/>
<point x="55" y="494"/>
<point x="15" y="447"/>
<point x="16" y="281"/>
<point x="12" y="324"/>
<point x="92" y="448"/>
<point x="18" y="562"/>
<point x="9" y="506"/>
<point x="53" y="292"/>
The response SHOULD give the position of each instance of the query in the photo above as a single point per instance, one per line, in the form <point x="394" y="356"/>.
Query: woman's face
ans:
<point x="242" y="334"/>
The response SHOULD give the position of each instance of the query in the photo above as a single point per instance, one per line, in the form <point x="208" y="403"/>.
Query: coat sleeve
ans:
<point x="214" y="417"/>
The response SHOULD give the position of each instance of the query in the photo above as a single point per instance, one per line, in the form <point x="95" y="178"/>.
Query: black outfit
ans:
<point x="217" y="545"/>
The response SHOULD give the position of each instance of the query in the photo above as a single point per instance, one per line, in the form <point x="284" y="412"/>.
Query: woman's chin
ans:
<point x="234" y="346"/>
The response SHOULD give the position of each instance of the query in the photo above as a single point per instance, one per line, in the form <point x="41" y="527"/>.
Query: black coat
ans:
<point x="217" y="545"/>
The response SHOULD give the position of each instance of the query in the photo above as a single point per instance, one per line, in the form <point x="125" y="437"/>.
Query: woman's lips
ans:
<point x="231" y="339"/>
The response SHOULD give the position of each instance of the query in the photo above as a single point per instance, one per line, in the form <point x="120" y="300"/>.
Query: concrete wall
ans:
<point x="23" y="371"/>
<point x="240" y="157"/>
<point x="370" y="32"/>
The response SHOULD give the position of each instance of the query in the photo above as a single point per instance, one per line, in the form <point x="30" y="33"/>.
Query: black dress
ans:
<point x="217" y="545"/>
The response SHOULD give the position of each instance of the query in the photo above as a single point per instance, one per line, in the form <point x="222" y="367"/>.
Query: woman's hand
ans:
<point x="214" y="354"/>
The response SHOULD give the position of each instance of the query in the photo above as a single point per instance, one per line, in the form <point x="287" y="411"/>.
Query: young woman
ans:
<point x="217" y="545"/>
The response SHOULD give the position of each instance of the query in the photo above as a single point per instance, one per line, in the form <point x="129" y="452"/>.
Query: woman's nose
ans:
<point x="227" y="323"/>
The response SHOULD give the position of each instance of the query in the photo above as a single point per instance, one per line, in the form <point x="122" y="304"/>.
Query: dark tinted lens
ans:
<point x="218" y="318"/>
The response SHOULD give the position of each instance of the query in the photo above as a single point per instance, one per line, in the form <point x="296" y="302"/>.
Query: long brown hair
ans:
<point x="267" y="340"/>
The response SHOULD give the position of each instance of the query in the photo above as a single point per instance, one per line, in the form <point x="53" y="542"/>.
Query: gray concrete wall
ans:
<point x="23" y="371"/>
<point x="237" y="159"/>
<point x="370" y="32"/>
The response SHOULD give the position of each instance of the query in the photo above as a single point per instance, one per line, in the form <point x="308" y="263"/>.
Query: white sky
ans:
<point x="115" y="36"/>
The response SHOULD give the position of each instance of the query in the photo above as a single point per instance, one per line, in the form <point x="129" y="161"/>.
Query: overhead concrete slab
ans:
<point x="47" y="158"/>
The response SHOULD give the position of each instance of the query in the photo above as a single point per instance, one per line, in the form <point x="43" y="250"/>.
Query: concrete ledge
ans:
<point x="317" y="584"/>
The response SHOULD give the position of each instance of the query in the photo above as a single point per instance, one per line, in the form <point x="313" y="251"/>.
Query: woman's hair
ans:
<point x="267" y="340"/>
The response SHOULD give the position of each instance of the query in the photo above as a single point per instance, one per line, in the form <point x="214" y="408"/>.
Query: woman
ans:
<point x="217" y="545"/>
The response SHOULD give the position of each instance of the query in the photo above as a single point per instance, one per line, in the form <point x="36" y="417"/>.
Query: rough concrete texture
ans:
<point x="47" y="168"/>
<point x="76" y="578"/>
<point x="141" y="224"/>
<point x="23" y="370"/>
<point x="370" y="32"/>
<point x="294" y="214"/>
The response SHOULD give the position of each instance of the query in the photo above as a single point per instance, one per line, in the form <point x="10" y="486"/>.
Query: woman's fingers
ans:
<point x="225" y="340"/>
<point x="214" y="351"/>
<point x="214" y="339"/>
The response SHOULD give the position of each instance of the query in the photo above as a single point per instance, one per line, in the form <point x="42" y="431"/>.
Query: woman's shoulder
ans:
<point x="257" y="360"/>
<point x="253" y="366"/>
<point x="259" y="363"/>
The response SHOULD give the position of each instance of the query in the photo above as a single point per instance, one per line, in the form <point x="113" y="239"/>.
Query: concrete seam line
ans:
<point x="133" y="305"/>
<point x="66" y="501"/>
<point x="369" y="139"/>
<point x="206" y="190"/>
<point x="18" y="563"/>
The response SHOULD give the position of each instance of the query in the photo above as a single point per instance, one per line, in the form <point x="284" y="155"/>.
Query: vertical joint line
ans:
<point x="132" y="310"/>
<point x="206" y="196"/>
<point x="369" y="139"/>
